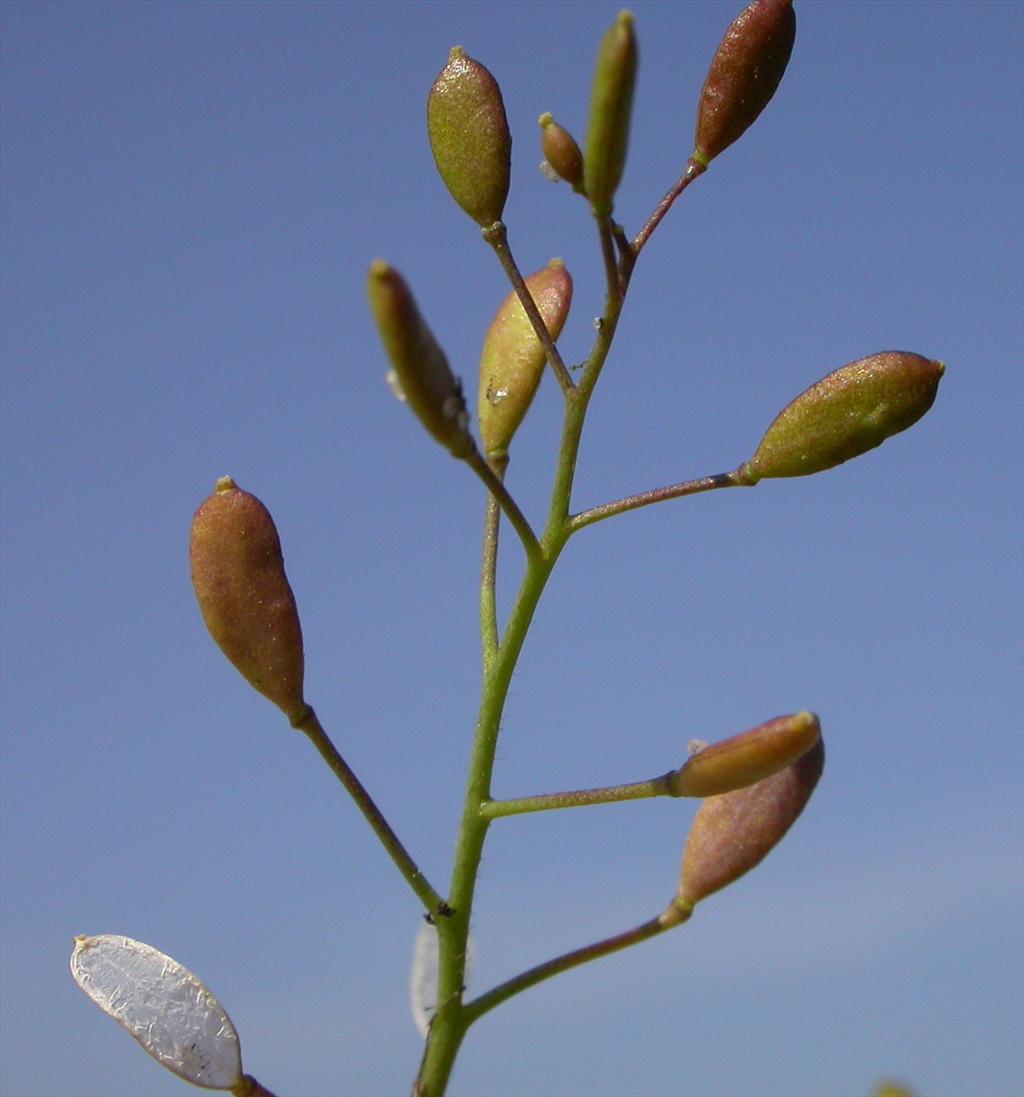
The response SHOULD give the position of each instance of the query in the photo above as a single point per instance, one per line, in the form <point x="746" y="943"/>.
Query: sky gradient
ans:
<point x="191" y="195"/>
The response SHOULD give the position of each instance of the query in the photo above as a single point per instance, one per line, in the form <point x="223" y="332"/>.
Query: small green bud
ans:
<point x="611" y="104"/>
<point x="561" y="151"/>
<point x="845" y="414"/>
<point x="422" y="375"/>
<point x="747" y="758"/>
<point x="734" y="832"/>
<point x="744" y="74"/>
<point x="243" y="592"/>
<point x="512" y="360"/>
<point x="469" y="137"/>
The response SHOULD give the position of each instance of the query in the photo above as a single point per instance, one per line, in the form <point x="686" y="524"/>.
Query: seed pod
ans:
<point x="611" y="104"/>
<point x="734" y="832"/>
<point x="424" y="378"/>
<point x="513" y="358"/>
<point x="846" y="414"/>
<point x="247" y="604"/>
<point x="561" y="151"/>
<point x="747" y="758"/>
<point x="469" y="136"/>
<point x="745" y="73"/>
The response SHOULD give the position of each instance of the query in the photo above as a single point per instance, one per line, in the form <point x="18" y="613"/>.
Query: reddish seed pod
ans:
<point x="244" y="594"/>
<point x="561" y="151"/>
<point x="747" y="758"/>
<point x="734" y="832"/>
<point x="469" y="137"/>
<point x="744" y="74"/>
<point x="852" y="410"/>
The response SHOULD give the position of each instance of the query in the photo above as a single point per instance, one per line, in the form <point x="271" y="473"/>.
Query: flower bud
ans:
<point x="561" y="151"/>
<point x="469" y="136"/>
<point x="744" y="74"/>
<point x="611" y="104"/>
<point x="846" y="414"/>
<point x="747" y="758"/>
<point x="734" y="832"/>
<point x="513" y="358"/>
<point x="424" y="378"/>
<point x="243" y="592"/>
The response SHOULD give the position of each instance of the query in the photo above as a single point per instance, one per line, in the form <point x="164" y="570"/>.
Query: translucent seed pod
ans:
<point x="611" y="105"/>
<point x="166" y="1008"/>
<point x="747" y="758"/>
<point x="244" y="595"/>
<point x="744" y="75"/>
<point x="469" y="137"/>
<point x="513" y="358"/>
<point x="422" y="375"/>
<point x="734" y="832"/>
<point x="561" y="151"/>
<point x="847" y="413"/>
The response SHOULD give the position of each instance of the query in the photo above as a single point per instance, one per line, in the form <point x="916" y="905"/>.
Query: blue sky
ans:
<point x="191" y="196"/>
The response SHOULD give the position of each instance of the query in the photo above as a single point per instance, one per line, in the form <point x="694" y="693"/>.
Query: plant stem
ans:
<point x="498" y="490"/>
<point x="497" y="236"/>
<point x="307" y="722"/>
<point x="694" y="168"/>
<point x="675" y="914"/>
<point x="657" y="495"/>
<point x="489" y="569"/>
<point x="552" y="801"/>
<point x="249" y="1087"/>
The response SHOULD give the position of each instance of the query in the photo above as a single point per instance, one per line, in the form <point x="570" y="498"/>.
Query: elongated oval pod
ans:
<point x="744" y="74"/>
<point x="561" y="151"/>
<point x="424" y="379"/>
<point x="847" y="413"/>
<point x="747" y="758"/>
<point x="513" y="358"/>
<point x="469" y="136"/>
<point x="611" y="104"/>
<point x="734" y="832"/>
<point x="243" y="592"/>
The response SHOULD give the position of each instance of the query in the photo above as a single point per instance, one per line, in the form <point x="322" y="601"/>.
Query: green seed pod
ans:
<point x="745" y="73"/>
<point x="469" y="136"/>
<point x="734" y="832"/>
<point x="513" y="358"/>
<point x="243" y="592"/>
<point x="561" y="151"/>
<point x="611" y="104"/>
<point x="846" y="414"/>
<point x="747" y="758"/>
<point x="421" y="369"/>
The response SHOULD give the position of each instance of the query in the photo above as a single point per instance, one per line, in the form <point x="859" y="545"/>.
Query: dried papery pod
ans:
<point x="469" y="136"/>
<point x="744" y="74"/>
<point x="243" y="592"/>
<point x="747" y="758"/>
<point x="561" y="151"/>
<point x="166" y="1008"/>
<point x="513" y="358"/>
<point x="611" y="104"/>
<point x="422" y="375"/>
<point x="734" y="832"/>
<point x="845" y="414"/>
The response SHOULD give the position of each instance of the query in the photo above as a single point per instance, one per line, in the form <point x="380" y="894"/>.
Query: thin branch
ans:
<point x="694" y="168"/>
<point x="552" y="801"/>
<point x="511" y="508"/>
<point x="497" y="236"/>
<point x="489" y="568"/>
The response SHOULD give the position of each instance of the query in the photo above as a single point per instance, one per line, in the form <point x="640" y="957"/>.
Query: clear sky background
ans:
<point x="191" y="196"/>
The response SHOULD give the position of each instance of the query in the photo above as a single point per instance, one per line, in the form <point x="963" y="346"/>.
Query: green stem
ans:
<point x="674" y="915"/>
<point x="497" y="236"/>
<point x="495" y="486"/>
<point x="306" y="721"/>
<point x="489" y="569"/>
<point x="657" y="495"/>
<point x="552" y="801"/>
